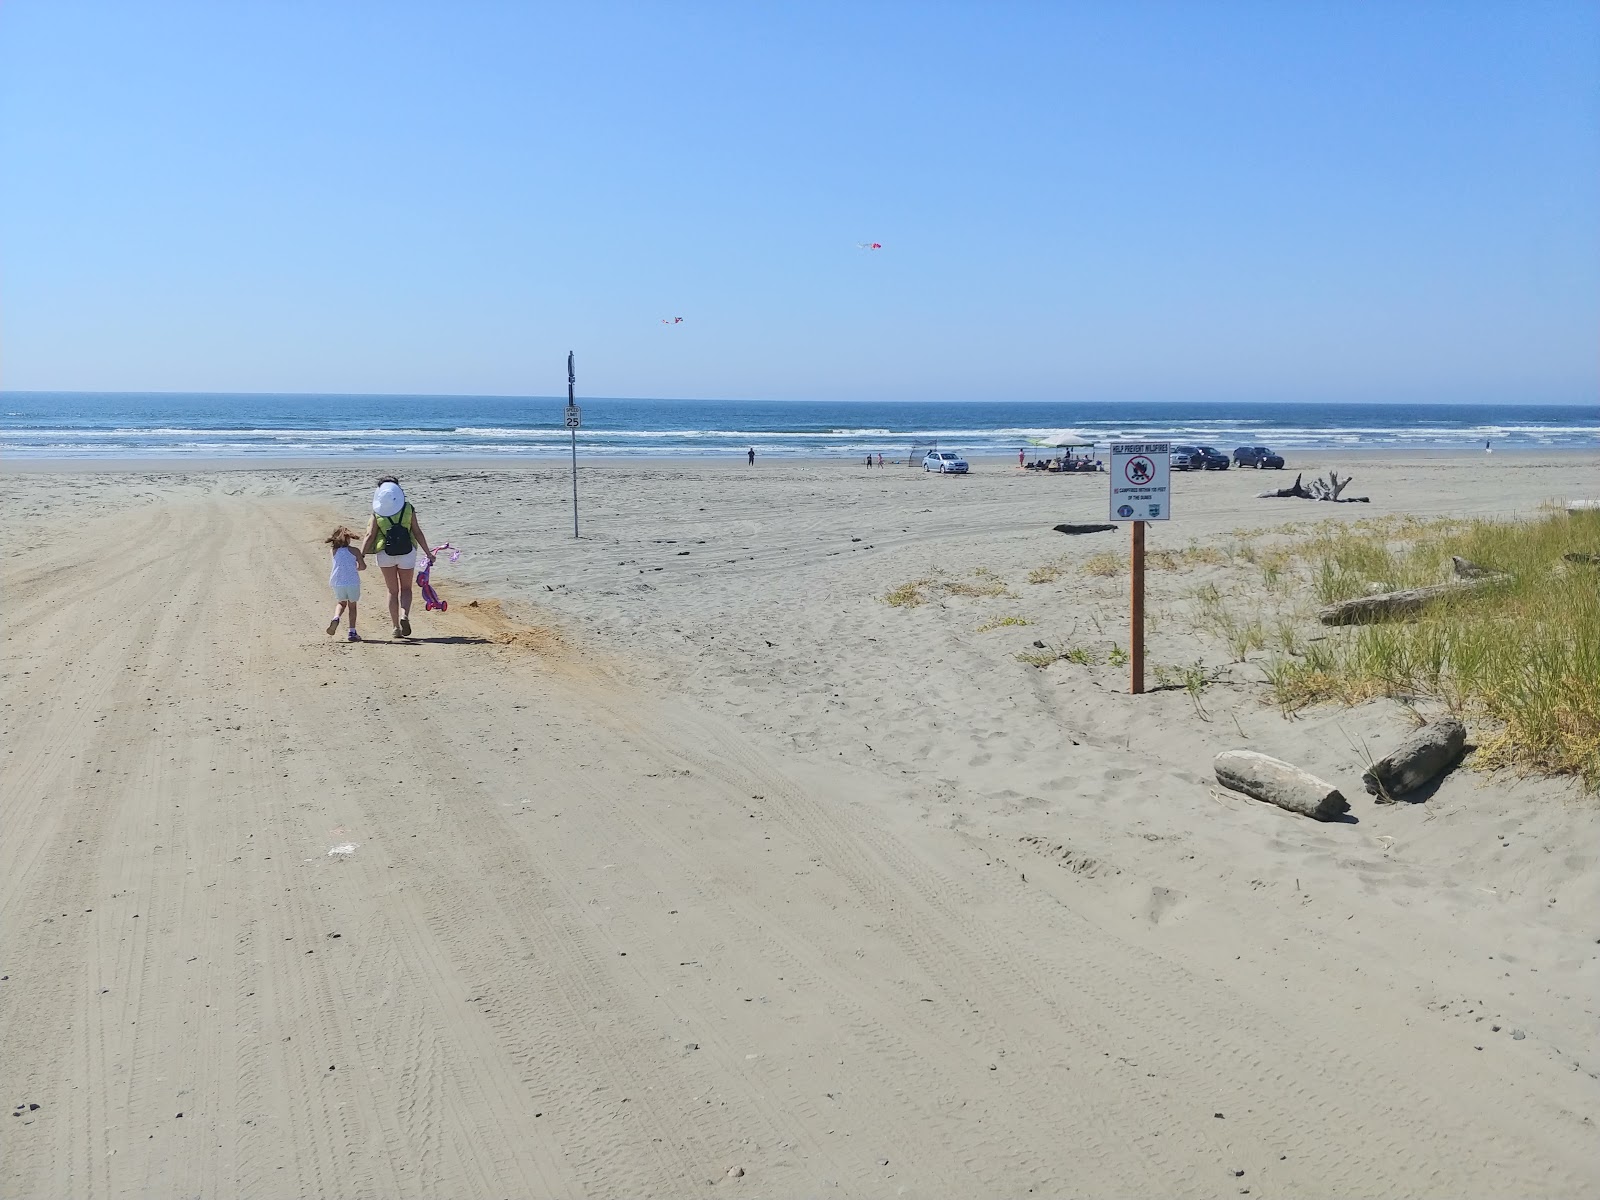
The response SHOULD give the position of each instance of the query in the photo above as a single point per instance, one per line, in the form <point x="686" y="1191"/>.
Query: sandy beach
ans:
<point x="673" y="859"/>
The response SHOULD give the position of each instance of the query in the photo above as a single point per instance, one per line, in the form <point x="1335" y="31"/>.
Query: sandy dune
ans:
<point x="668" y="865"/>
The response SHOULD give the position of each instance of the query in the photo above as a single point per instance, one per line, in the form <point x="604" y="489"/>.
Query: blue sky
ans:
<point x="1078" y="201"/>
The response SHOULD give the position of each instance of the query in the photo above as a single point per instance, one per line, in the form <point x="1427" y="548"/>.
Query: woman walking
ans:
<point x="395" y="534"/>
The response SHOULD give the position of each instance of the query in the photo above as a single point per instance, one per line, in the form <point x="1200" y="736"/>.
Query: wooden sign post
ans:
<point x="1140" y="479"/>
<point x="1136" y="611"/>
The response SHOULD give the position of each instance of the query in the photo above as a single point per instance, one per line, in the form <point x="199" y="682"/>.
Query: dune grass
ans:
<point x="1523" y="658"/>
<point x="1003" y="623"/>
<point x="983" y="582"/>
<point x="908" y="595"/>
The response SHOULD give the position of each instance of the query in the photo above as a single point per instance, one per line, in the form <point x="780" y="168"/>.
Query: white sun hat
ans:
<point x="388" y="500"/>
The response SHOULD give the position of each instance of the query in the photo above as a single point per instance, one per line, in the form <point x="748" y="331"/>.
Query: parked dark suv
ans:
<point x="1259" y="457"/>
<point x="1213" y="459"/>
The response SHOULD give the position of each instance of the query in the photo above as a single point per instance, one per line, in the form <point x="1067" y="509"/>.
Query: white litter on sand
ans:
<point x="344" y="851"/>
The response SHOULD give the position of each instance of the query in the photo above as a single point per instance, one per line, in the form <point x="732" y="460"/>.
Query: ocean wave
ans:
<point x="108" y="426"/>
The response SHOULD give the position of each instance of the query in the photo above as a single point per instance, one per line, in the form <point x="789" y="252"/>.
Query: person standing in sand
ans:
<point x="344" y="580"/>
<point x="752" y="453"/>
<point x="396" y="534"/>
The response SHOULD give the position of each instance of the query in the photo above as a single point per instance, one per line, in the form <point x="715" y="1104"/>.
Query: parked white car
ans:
<point x="946" y="462"/>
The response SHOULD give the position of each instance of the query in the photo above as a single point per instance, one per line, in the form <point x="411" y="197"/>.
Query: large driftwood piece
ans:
<point x="1295" y="489"/>
<point x="1277" y="782"/>
<point x="1332" y="489"/>
<point x="1421" y="758"/>
<point x="1366" y="610"/>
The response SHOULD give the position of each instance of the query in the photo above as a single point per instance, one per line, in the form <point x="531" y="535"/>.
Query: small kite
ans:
<point x="869" y="245"/>
<point x="673" y="321"/>
<point x="430" y="597"/>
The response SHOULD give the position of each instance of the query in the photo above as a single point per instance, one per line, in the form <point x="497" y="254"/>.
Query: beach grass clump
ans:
<point x="1048" y="573"/>
<point x="1185" y="557"/>
<point x="1003" y="623"/>
<point x="1277" y="570"/>
<point x="1193" y="678"/>
<point x="1216" y="614"/>
<point x="1082" y="656"/>
<point x="983" y="582"/>
<point x="1104" y="563"/>
<point x="1286" y="635"/>
<point x="1245" y="636"/>
<point x="1041" y="656"/>
<point x="909" y="595"/>
<point x="1378" y="554"/>
<point x="1522" y="658"/>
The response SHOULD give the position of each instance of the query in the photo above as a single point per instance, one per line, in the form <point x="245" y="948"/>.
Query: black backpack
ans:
<point x="397" y="534"/>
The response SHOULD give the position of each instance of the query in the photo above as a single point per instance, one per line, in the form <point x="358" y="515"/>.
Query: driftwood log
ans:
<point x="1084" y="528"/>
<point x="1385" y="606"/>
<point x="1264" y="778"/>
<point x="1421" y="758"/>
<point x="1331" y="488"/>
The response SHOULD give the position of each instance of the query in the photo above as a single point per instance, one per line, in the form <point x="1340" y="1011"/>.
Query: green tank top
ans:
<point x="386" y="523"/>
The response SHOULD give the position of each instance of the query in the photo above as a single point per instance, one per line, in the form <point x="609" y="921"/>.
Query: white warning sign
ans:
<point x="1140" y="479"/>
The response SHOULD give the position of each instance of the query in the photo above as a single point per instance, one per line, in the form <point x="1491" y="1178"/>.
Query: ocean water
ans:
<point x="264" y="426"/>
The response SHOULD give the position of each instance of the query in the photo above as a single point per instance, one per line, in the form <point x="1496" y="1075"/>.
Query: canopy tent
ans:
<point x="1064" y="438"/>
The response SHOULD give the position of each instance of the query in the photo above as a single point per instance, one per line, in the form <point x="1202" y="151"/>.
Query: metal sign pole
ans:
<point x="572" y="426"/>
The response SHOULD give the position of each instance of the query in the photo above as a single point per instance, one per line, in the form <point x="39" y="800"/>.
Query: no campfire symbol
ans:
<point x="1139" y="470"/>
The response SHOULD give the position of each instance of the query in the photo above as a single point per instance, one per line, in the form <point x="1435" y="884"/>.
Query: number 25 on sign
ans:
<point x="1140" y="492"/>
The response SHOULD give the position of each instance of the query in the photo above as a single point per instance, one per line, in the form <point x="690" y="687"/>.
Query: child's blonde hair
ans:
<point x="341" y="536"/>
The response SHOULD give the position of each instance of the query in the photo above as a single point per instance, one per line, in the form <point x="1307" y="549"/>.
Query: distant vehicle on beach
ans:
<point x="1258" y="457"/>
<point x="946" y="462"/>
<point x="1185" y="458"/>
<point x="1213" y="459"/>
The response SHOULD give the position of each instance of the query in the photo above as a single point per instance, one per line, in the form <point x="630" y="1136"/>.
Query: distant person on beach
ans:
<point x="344" y="581"/>
<point x="396" y="534"/>
<point x="1022" y="458"/>
<point x="752" y="456"/>
<point x="869" y="460"/>
<point x="880" y="459"/>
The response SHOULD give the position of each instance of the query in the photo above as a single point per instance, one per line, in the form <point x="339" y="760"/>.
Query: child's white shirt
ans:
<point x="344" y="568"/>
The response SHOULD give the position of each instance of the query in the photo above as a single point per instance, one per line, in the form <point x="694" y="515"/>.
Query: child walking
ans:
<point x="346" y="584"/>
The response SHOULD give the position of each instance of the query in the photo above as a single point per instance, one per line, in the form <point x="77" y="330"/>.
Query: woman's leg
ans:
<point x="405" y="599"/>
<point x="391" y="580"/>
